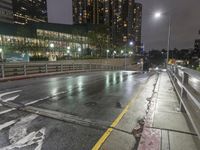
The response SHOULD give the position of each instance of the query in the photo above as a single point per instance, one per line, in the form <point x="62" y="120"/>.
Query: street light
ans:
<point x="52" y="45"/>
<point x="68" y="47"/>
<point x="158" y="15"/>
<point x="131" y="43"/>
<point x="130" y="53"/>
<point x="79" y="51"/>
<point x="114" y="52"/>
<point x="107" y="51"/>
<point x="122" y="51"/>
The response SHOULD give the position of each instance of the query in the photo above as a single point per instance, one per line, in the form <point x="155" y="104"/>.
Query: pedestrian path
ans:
<point x="166" y="127"/>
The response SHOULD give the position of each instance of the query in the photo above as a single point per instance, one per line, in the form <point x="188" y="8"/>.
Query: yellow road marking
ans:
<point x="116" y="121"/>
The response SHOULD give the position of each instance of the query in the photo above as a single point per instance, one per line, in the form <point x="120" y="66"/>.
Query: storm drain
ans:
<point x="91" y="104"/>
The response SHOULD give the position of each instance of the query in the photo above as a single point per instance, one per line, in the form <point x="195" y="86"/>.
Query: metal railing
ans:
<point x="187" y="86"/>
<point x="25" y="69"/>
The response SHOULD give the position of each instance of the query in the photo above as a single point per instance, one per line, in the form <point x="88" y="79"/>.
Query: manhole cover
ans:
<point x="91" y="103"/>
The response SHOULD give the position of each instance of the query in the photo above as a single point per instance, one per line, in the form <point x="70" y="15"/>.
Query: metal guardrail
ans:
<point x="25" y="69"/>
<point x="187" y="86"/>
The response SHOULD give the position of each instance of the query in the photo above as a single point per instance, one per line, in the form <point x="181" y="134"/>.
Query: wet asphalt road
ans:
<point x="92" y="96"/>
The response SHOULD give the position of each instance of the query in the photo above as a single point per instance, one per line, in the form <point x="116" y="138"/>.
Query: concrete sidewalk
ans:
<point x="121" y="137"/>
<point x="166" y="128"/>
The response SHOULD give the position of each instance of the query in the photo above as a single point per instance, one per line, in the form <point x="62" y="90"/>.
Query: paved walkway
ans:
<point x="167" y="128"/>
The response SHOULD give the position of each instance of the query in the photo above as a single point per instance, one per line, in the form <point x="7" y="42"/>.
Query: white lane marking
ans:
<point x="10" y="98"/>
<point x="19" y="130"/>
<point x="19" y="138"/>
<point x="30" y="139"/>
<point x="7" y="124"/>
<point x="45" y="98"/>
<point x="6" y="111"/>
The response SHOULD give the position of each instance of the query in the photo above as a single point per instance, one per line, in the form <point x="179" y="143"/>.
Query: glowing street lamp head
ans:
<point x="79" y="49"/>
<point x="1" y="50"/>
<point x="108" y="51"/>
<point x="114" y="52"/>
<point x="122" y="51"/>
<point x="131" y="43"/>
<point x="157" y="14"/>
<point x="52" y="45"/>
<point x="68" y="48"/>
<point x="68" y="51"/>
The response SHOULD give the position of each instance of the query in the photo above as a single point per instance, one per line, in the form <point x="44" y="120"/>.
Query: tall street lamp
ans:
<point x="131" y="43"/>
<point x="114" y="53"/>
<point x="107" y="51"/>
<point x="158" y="15"/>
<point x="79" y="51"/>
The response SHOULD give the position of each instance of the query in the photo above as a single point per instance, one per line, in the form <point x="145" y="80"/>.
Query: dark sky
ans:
<point x="60" y="11"/>
<point x="185" y="21"/>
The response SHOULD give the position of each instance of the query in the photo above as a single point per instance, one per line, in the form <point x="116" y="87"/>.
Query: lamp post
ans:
<point x="158" y="15"/>
<point x="129" y="44"/>
<point x="114" y="52"/>
<point x="68" y="51"/>
<point x="122" y="52"/>
<point x="107" y="51"/>
<point x="52" y="57"/>
<point x="79" y="52"/>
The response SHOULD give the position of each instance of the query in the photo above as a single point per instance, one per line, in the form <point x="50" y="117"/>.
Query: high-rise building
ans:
<point x="123" y="18"/>
<point x="138" y="26"/>
<point x="6" y="11"/>
<point x="29" y="11"/>
<point x="88" y="11"/>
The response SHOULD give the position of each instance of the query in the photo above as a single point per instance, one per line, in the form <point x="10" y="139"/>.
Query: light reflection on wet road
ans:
<point x="87" y="95"/>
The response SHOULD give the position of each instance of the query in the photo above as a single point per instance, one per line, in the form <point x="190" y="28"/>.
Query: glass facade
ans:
<point x="42" y="44"/>
<point x="29" y="11"/>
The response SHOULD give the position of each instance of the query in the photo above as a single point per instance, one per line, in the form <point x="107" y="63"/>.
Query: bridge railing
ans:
<point x="25" y="69"/>
<point x="187" y="86"/>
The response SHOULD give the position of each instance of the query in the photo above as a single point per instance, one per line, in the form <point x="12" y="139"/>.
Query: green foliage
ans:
<point x="99" y="38"/>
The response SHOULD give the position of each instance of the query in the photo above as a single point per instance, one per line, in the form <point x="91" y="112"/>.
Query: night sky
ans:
<point x="185" y="21"/>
